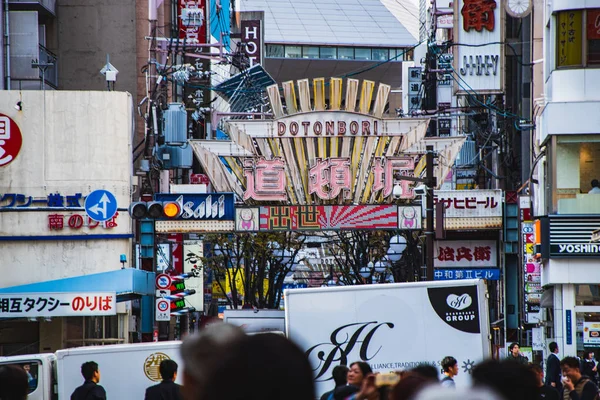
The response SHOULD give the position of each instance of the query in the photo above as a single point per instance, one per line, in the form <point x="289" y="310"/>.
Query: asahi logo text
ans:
<point x="578" y="248"/>
<point x="341" y="343"/>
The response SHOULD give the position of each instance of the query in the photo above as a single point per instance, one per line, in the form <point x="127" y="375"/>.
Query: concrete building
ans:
<point x="566" y="162"/>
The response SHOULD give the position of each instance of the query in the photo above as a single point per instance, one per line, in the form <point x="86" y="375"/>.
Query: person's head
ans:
<point x="168" y="370"/>
<point x="511" y="380"/>
<point x="570" y="368"/>
<point x="595" y="183"/>
<point x="26" y="367"/>
<point x="357" y="372"/>
<point x="90" y="371"/>
<point x="539" y="373"/>
<point x="553" y="346"/>
<point x="340" y="375"/>
<point x="408" y="386"/>
<point x="514" y="349"/>
<point x="588" y="354"/>
<point x="426" y="371"/>
<point x="450" y="366"/>
<point x="266" y="365"/>
<point x="13" y="383"/>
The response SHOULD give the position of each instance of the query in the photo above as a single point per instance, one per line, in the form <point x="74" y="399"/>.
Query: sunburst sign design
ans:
<point x="518" y="8"/>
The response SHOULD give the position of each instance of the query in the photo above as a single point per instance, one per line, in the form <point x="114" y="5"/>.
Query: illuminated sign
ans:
<point x="204" y="206"/>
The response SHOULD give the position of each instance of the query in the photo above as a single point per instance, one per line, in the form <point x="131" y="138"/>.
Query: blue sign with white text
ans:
<point x="445" y="274"/>
<point x="202" y="206"/>
<point x="100" y="205"/>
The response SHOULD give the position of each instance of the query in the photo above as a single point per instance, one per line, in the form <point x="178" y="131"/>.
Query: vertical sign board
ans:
<point x="252" y="39"/>
<point x="414" y="89"/>
<point x="478" y="62"/>
<point x="191" y="28"/>
<point x="569" y="329"/>
<point x="192" y="255"/>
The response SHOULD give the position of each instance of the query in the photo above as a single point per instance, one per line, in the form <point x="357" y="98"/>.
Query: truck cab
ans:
<point x="41" y="372"/>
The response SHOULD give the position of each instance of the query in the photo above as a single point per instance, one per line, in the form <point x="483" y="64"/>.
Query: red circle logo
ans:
<point x="10" y="140"/>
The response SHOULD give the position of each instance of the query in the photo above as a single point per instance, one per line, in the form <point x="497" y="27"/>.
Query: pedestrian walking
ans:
<point x="13" y="383"/>
<point x="340" y="377"/>
<point x="553" y="368"/>
<point x="90" y="390"/>
<point x="450" y="368"/>
<point x="575" y="385"/>
<point x="167" y="389"/>
<point x="589" y="367"/>
<point x="514" y="354"/>
<point x="547" y="392"/>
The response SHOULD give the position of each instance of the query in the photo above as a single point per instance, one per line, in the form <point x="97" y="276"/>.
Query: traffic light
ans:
<point x="155" y="210"/>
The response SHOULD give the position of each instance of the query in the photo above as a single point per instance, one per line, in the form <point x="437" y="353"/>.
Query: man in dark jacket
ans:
<point x="167" y="389"/>
<point x="514" y="354"/>
<point x="553" y="368"/>
<point x="339" y="374"/>
<point x="90" y="390"/>
<point x="575" y="385"/>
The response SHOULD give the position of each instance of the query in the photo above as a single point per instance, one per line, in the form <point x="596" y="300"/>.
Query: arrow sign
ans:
<point x="101" y="205"/>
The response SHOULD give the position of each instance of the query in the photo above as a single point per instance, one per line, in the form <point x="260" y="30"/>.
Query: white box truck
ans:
<point x="126" y="370"/>
<point x="390" y="326"/>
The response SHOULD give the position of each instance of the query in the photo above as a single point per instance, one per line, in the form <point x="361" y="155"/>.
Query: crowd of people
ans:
<point x="223" y="363"/>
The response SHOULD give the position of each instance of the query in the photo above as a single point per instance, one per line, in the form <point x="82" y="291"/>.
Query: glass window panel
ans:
<point x="328" y="52"/>
<point x="380" y="54"/>
<point x="310" y="52"/>
<point x="362" y="53"/>
<point x="293" y="51"/>
<point x="409" y="55"/>
<point x="346" y="53"/>
<point x="275" y="50"/>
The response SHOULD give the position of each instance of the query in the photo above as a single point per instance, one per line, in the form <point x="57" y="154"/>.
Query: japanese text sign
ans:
<point x="205" y="206"/>
<point x="470" y="203"/>
<point x="465" y="253"/>
<point x="570" y="36"/>
<point x="27" y="305"/>
<point x="491" y="274"/>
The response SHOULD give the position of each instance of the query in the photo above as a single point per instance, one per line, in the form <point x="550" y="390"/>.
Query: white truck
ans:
<point x="256" y="321"/>
<point x="390" y="326"/>
<point x="126" y="370"/>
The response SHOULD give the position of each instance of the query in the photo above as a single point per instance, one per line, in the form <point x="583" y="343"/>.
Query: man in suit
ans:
<point x="553" y="368"/>
<point x="167" y="389"/>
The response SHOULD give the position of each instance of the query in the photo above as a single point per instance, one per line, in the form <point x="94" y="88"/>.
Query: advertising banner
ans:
<point x="591" y="332"/>
<point x="465" y="253"/>
<point x="192" y="253"/>
<point x="30" y="305"/>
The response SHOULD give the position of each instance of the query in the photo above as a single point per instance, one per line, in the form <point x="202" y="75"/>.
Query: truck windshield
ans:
<point x="32" y="369"/>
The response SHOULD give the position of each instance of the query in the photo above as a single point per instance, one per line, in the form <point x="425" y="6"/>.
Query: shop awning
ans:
<point x="127" y="283"/>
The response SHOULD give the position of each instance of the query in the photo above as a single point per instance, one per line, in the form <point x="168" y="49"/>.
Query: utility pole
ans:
<point x="429" y="231"/>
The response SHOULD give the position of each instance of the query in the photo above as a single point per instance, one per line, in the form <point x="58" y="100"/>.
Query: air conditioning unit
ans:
<point x="175" y="124"/>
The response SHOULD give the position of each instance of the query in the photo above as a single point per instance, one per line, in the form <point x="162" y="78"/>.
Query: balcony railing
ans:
<point x="580" y="203"/>
<point x="47" y="65"/>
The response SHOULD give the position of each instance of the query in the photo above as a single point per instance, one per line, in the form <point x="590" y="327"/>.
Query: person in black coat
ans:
<point x="167" y="389"/>
<point x="588" y="366"/>
<point x="90" y="390"/>
<point x="553" y="368"/>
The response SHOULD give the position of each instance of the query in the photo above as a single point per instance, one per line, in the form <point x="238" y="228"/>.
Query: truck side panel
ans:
<point x="392" y="327"/>
<point x="125" y="370"/>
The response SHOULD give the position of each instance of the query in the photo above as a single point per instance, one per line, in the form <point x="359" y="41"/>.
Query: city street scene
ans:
<point x="308" y="199"/>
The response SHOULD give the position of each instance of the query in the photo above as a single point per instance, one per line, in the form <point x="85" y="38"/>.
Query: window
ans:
<point x="380" y="54"/>
<point x="86" y="331"/>
<point x="275" y="50"/>
<point x="32" y="370"/>
<point x="362" y="53"/>
<point x="328" y="52"/>
<point x="577" y="38"/>
<point x="310" y="52"/>
<point x="293" y="51"/>
<point x="346" y="53"/>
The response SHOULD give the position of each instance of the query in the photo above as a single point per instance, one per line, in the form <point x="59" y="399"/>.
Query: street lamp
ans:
<point x="430" y="183"/>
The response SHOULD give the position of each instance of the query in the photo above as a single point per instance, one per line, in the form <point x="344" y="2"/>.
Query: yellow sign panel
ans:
<point x="151" y="366"/>
<point x="569" y="38"/>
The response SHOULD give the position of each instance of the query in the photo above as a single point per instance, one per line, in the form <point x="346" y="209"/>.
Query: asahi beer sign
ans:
<point x="478" y="60"/>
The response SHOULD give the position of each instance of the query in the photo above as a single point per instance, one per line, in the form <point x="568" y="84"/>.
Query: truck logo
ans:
<point x="341" y="343"/>
<point x="460" y="311"/>
<point x="151" y="365"/>
<point x="459" y="302"/>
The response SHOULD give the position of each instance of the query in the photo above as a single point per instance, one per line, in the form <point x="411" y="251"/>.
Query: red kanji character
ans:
<point x="482" y="253"/>
<point x="463" y="252"/>
<point x="478" y="14"/>
<point x="92" y="224"/>
<point x="491" y="203"/>
<point x="75" y="221"/>
<point x="446" y="254"/>
<point x="55" y="221"/>
<point x="106" y="303"/>
<point x="471" y="202"/>
<point x="88" y="303"/>
<point x="78" y="304"/>
<point x="111" y="223"/>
